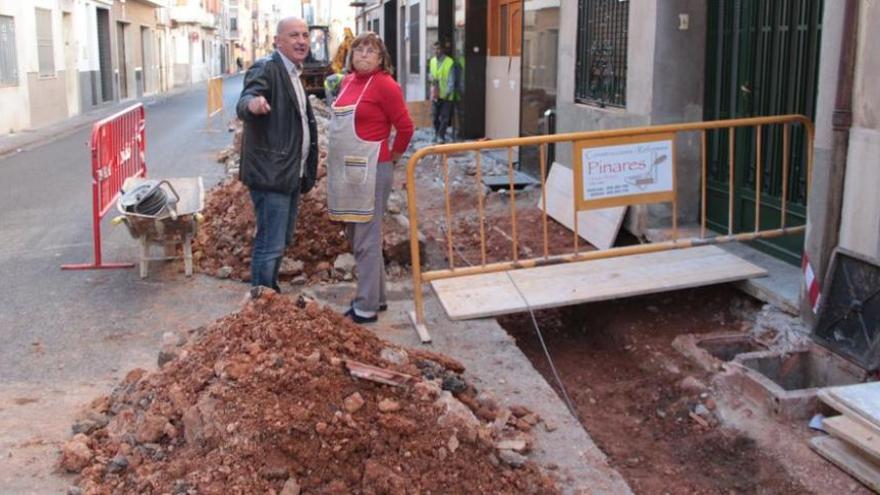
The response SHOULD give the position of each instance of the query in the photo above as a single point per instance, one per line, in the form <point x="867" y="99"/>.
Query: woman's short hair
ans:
<point x="372" y="39"/>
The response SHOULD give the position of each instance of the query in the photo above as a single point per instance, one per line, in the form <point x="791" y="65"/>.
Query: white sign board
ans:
<point x="616" y="172"/>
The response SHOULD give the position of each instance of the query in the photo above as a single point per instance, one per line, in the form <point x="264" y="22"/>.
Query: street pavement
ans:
<point x="68" y="335"/>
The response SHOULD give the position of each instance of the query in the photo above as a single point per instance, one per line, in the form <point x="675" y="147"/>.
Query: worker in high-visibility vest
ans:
<point x="443" y="90"/>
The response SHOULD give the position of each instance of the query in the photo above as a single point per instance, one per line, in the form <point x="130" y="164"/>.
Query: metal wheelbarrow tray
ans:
<point x="173" y="225"/>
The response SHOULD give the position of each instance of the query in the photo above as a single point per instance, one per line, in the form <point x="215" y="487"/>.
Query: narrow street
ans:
<point x="627" y="248"/>
<point x="68" y="334"/>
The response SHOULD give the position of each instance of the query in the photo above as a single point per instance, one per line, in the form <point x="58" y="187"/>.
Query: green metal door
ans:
<point x="762" y="58"/>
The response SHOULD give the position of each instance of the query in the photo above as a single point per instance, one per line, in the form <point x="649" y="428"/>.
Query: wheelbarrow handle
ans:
<point x="171" y="210"/>
<point x="173" y="191"/>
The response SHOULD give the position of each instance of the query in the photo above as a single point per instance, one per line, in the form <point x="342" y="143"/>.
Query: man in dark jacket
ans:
<point x="279" y="156"/>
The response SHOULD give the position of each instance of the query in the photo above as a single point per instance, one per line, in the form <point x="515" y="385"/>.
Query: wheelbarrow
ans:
<point x="166" y="213"/>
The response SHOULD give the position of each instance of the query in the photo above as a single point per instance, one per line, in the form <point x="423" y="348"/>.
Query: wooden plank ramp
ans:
<point x="865" y="439"/>
<point x="863" y="399"/>
<point x="491" y="294"/>
<point x="825" y="396"/>
<point x="849" y="459"/>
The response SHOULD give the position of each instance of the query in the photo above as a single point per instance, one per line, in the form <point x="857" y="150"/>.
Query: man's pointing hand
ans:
<point x="259" y="106"/>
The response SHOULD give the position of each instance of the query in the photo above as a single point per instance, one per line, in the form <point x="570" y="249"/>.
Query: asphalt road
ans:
<point x="65" y="336"/>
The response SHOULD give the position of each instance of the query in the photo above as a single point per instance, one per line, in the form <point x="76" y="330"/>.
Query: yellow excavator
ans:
<point x="317" y="66"/>
<point x="339" y="67"/>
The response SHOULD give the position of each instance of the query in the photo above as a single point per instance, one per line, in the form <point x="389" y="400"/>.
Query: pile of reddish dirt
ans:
<point x="498" y="233"/>
<point x="464" y="206"/>
<point x="263" y="402"/>
<point x="223" y="245"/>
<point x="646" y="406"/>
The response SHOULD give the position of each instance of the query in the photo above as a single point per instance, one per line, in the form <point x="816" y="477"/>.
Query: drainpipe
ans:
<point x="841" y="122"/>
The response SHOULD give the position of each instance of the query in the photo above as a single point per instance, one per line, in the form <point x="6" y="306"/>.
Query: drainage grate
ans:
<point x="849" y="317"/>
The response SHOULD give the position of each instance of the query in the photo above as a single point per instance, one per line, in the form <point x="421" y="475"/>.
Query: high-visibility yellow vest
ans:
<point x="440" y="74"/>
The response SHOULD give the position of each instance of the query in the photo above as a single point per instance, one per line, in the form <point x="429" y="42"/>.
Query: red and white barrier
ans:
<point x="118" y="143"/>
<point x="814" y="289"/>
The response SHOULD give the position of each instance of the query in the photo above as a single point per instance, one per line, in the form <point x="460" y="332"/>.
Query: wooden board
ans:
<point x="598" y="227"/>
<point x="865" y="439"/>
<point x="825" y="396"/>
<point x="848" y="459"/>
<point x="863" y="399"/>
<point x="491" y="294"/>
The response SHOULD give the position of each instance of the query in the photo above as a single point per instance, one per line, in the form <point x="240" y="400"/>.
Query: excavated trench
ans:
<point x="650" y="408"/>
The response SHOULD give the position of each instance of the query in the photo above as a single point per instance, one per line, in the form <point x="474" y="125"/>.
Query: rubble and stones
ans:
<point x="261" y="402"/>
<point x="222" y="247"/>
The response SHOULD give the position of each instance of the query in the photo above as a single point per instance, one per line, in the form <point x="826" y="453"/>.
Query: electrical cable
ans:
<point x="562" y="389"/>
<point x="568" y="402"/>
<point x="147" y="198"/>
<point x="153" y="203"/>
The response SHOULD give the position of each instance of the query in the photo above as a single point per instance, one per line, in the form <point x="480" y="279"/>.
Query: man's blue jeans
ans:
<point x="276" y="222"/>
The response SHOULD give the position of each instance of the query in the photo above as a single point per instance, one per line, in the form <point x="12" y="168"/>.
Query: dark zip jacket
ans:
<point x="271" y="145"/>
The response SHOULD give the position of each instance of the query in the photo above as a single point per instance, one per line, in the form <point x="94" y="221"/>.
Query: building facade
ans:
<point x="43" y="49"/>
<point x="607" y="64"/>
<point x="135" y="64"/>
<point x="195" y="45"/>
<point x="60" y="58"/>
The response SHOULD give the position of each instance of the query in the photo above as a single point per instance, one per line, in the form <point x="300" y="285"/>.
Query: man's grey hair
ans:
<point x="282" y="22"/>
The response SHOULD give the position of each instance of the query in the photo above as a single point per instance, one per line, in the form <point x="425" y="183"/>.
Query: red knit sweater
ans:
<point x="381" y="107"/>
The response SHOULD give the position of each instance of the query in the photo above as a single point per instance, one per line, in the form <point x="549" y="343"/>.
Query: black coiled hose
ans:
<point x="152" y="203"/>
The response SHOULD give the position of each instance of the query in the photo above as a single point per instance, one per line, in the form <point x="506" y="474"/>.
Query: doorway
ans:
<point x="503" y="68"/>
<point x="122" y="68"/>
<point x="401" y="46"/>
<point x="105" y="62"/>
<point x="149" y="70"/>
<point x="389" y="29"/>
<point x="762" y="58"/>
<point x="71" y="71"/>
<point x="540" y="43"/>
<point x="472" y="120"/>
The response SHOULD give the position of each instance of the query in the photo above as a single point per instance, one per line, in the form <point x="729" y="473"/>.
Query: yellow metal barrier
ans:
<point x="581" y="140"/>
<point x="215" y="98"/>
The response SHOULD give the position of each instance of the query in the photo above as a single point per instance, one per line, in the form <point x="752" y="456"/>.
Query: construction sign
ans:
<point x="624" y="171"/>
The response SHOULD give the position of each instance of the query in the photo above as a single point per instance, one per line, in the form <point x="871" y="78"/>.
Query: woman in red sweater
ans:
<point x="360" y="164"/>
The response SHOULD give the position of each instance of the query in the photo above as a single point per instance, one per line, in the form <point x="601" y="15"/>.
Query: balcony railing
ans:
<point x="193" y="14"/>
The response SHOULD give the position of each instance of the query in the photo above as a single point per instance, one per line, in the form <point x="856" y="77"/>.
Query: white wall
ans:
<point x="502" y="96"/>
<point x="85" y="21"/>
<point x="14" y="99"/>
<point x="17" y="98"/>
